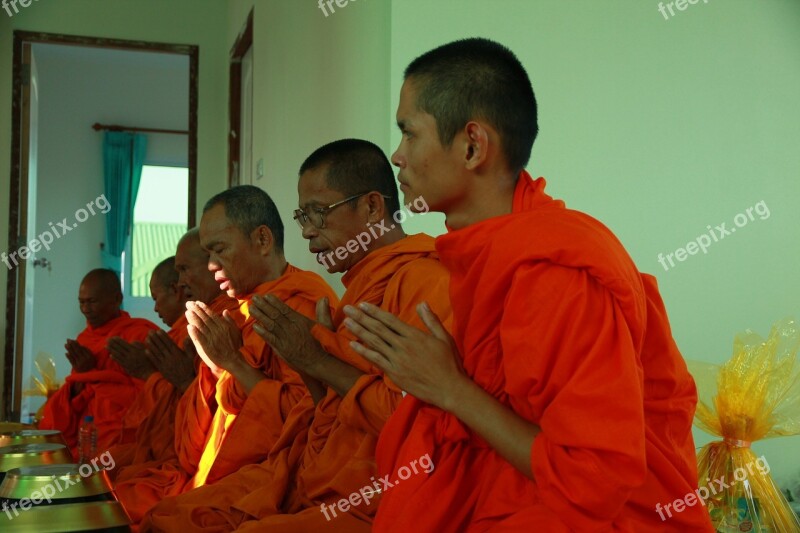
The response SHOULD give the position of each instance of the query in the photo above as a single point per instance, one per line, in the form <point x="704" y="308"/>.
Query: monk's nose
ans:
<point x="398" y="160"/>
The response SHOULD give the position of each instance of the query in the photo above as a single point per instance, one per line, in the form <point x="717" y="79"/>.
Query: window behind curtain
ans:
<point x="159" y="221"/>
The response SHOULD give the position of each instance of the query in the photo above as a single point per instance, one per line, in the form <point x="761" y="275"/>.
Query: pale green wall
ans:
<point x="199" y="22"/>
<point x="316" y="80"/>
<point x="660" y="128"/>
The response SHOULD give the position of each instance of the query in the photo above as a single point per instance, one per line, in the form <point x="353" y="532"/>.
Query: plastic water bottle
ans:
<point x="87" y="441"/>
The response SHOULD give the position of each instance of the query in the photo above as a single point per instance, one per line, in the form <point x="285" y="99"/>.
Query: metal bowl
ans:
<point x="93" y="516"/>
<point x="57" y="482"/>
<point x="7" y="427"/>
<point x="30" y="436"/>
<point x="20" y="455"/>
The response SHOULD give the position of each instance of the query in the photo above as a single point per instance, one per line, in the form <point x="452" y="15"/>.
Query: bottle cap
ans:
<point x="88" y="418"/>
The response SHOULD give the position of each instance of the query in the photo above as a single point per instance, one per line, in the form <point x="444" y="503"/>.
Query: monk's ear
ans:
<point x="377" y="207"/>
<point x="263" y="238"/>
<point x="476" y="139"/>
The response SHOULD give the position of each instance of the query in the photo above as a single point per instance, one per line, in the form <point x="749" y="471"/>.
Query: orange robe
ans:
<point x="108" y="390"/>
<point x="220" y="428"/>
<point x="553" y="319"/>
<point x="155" y="435"/>
<point x="135" y="430"/>
<point x="335" y="456"/>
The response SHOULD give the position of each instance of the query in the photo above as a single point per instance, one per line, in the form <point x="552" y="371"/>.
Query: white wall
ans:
<point x="316" y="79"/>
<point x="659" y="128"/>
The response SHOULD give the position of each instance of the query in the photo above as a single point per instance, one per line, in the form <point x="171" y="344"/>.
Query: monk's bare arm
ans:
<point x="247" y="376"/>
<point x="402" y="351"/>
<point x="508" y="433"/>
<point x="337" y="374"/>
<point x="289" y="334"/>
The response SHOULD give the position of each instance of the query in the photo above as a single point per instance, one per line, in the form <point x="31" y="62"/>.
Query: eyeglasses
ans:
<point x="316" y="217"/>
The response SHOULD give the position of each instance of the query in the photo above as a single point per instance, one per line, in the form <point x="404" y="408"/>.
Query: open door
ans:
<point x="36" y="324"/>
<point x="25" y="115"/>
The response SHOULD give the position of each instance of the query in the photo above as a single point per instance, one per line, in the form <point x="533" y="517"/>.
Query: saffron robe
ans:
<point x="553" y="319"/>
<point x="108" y="391"/>
<point x="335" y="456"/>
<point x="220" y="428"/>
<point x="154" y="435"/>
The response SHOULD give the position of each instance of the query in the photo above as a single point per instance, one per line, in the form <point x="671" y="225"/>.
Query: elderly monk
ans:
<point x="244" y="392"/>
<point x="174" y="357"/>
<point x="345" y="187"/>
<point x="562" y="402"/>
<point x="97" y="385"/>
<point x="169" y="303"/>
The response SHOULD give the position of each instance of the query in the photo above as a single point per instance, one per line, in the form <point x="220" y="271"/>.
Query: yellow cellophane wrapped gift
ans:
<point x="753" y="396"/>
<point x="46" y="386"/>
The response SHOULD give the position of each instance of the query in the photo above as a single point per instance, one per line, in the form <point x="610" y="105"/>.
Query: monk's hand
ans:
<point x="217" y="339"/>
<point x="80" y="357"/>
<point x="287" y="332"/>
<point x="131" y="357"/>
<point x="324" y="314"/>
<point x="424" y="364"/>
<point x="175" y="364"/>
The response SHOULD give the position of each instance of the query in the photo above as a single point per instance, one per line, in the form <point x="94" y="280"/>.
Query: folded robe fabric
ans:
<point x="552" y="319"/>
<point x="154" y="433"/>
<point x="219" y="427"/>
<point x="108" y="391"/>
<point x="334" y="457"/>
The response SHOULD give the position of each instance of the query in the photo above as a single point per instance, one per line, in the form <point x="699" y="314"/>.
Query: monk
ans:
<point x="345" y="187"/>
<point x="175" y="360"/>
<point x="561" y="403"/>
<point x="244" y="392"/>
<point x="97" y="385"/>
<point x="169" y="303"/>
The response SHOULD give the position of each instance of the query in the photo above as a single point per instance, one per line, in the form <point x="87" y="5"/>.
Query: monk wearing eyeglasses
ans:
<point x="308" y="473"/>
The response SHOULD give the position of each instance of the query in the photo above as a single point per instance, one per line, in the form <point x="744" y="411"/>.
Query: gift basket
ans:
<point x="47" y="385"/>
<point x="753" y="396"/>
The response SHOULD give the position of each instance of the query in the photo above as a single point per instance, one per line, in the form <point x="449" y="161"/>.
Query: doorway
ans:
<point x="63" y="86"/>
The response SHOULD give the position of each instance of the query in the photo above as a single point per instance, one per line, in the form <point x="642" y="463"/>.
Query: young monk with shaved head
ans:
<point x="97" y="385"/>
<point x="561" y="403"/>
<point x="326" y="451"/>
<point x="244" y="392"/>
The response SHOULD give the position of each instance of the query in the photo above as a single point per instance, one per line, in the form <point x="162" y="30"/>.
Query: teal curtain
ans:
<point x="123" y="158"/>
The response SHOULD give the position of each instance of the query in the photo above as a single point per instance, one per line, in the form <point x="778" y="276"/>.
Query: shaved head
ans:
<point x="478" y="79"/>
<point x="105" y="279"/>
<point x="100" y="296"/>
<point x="169" y="298"/>
<point x="165" y="273"/>
<point x="248" y="208"/>
<point x="355" y="166"/>
<point x="191" y="265"/>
